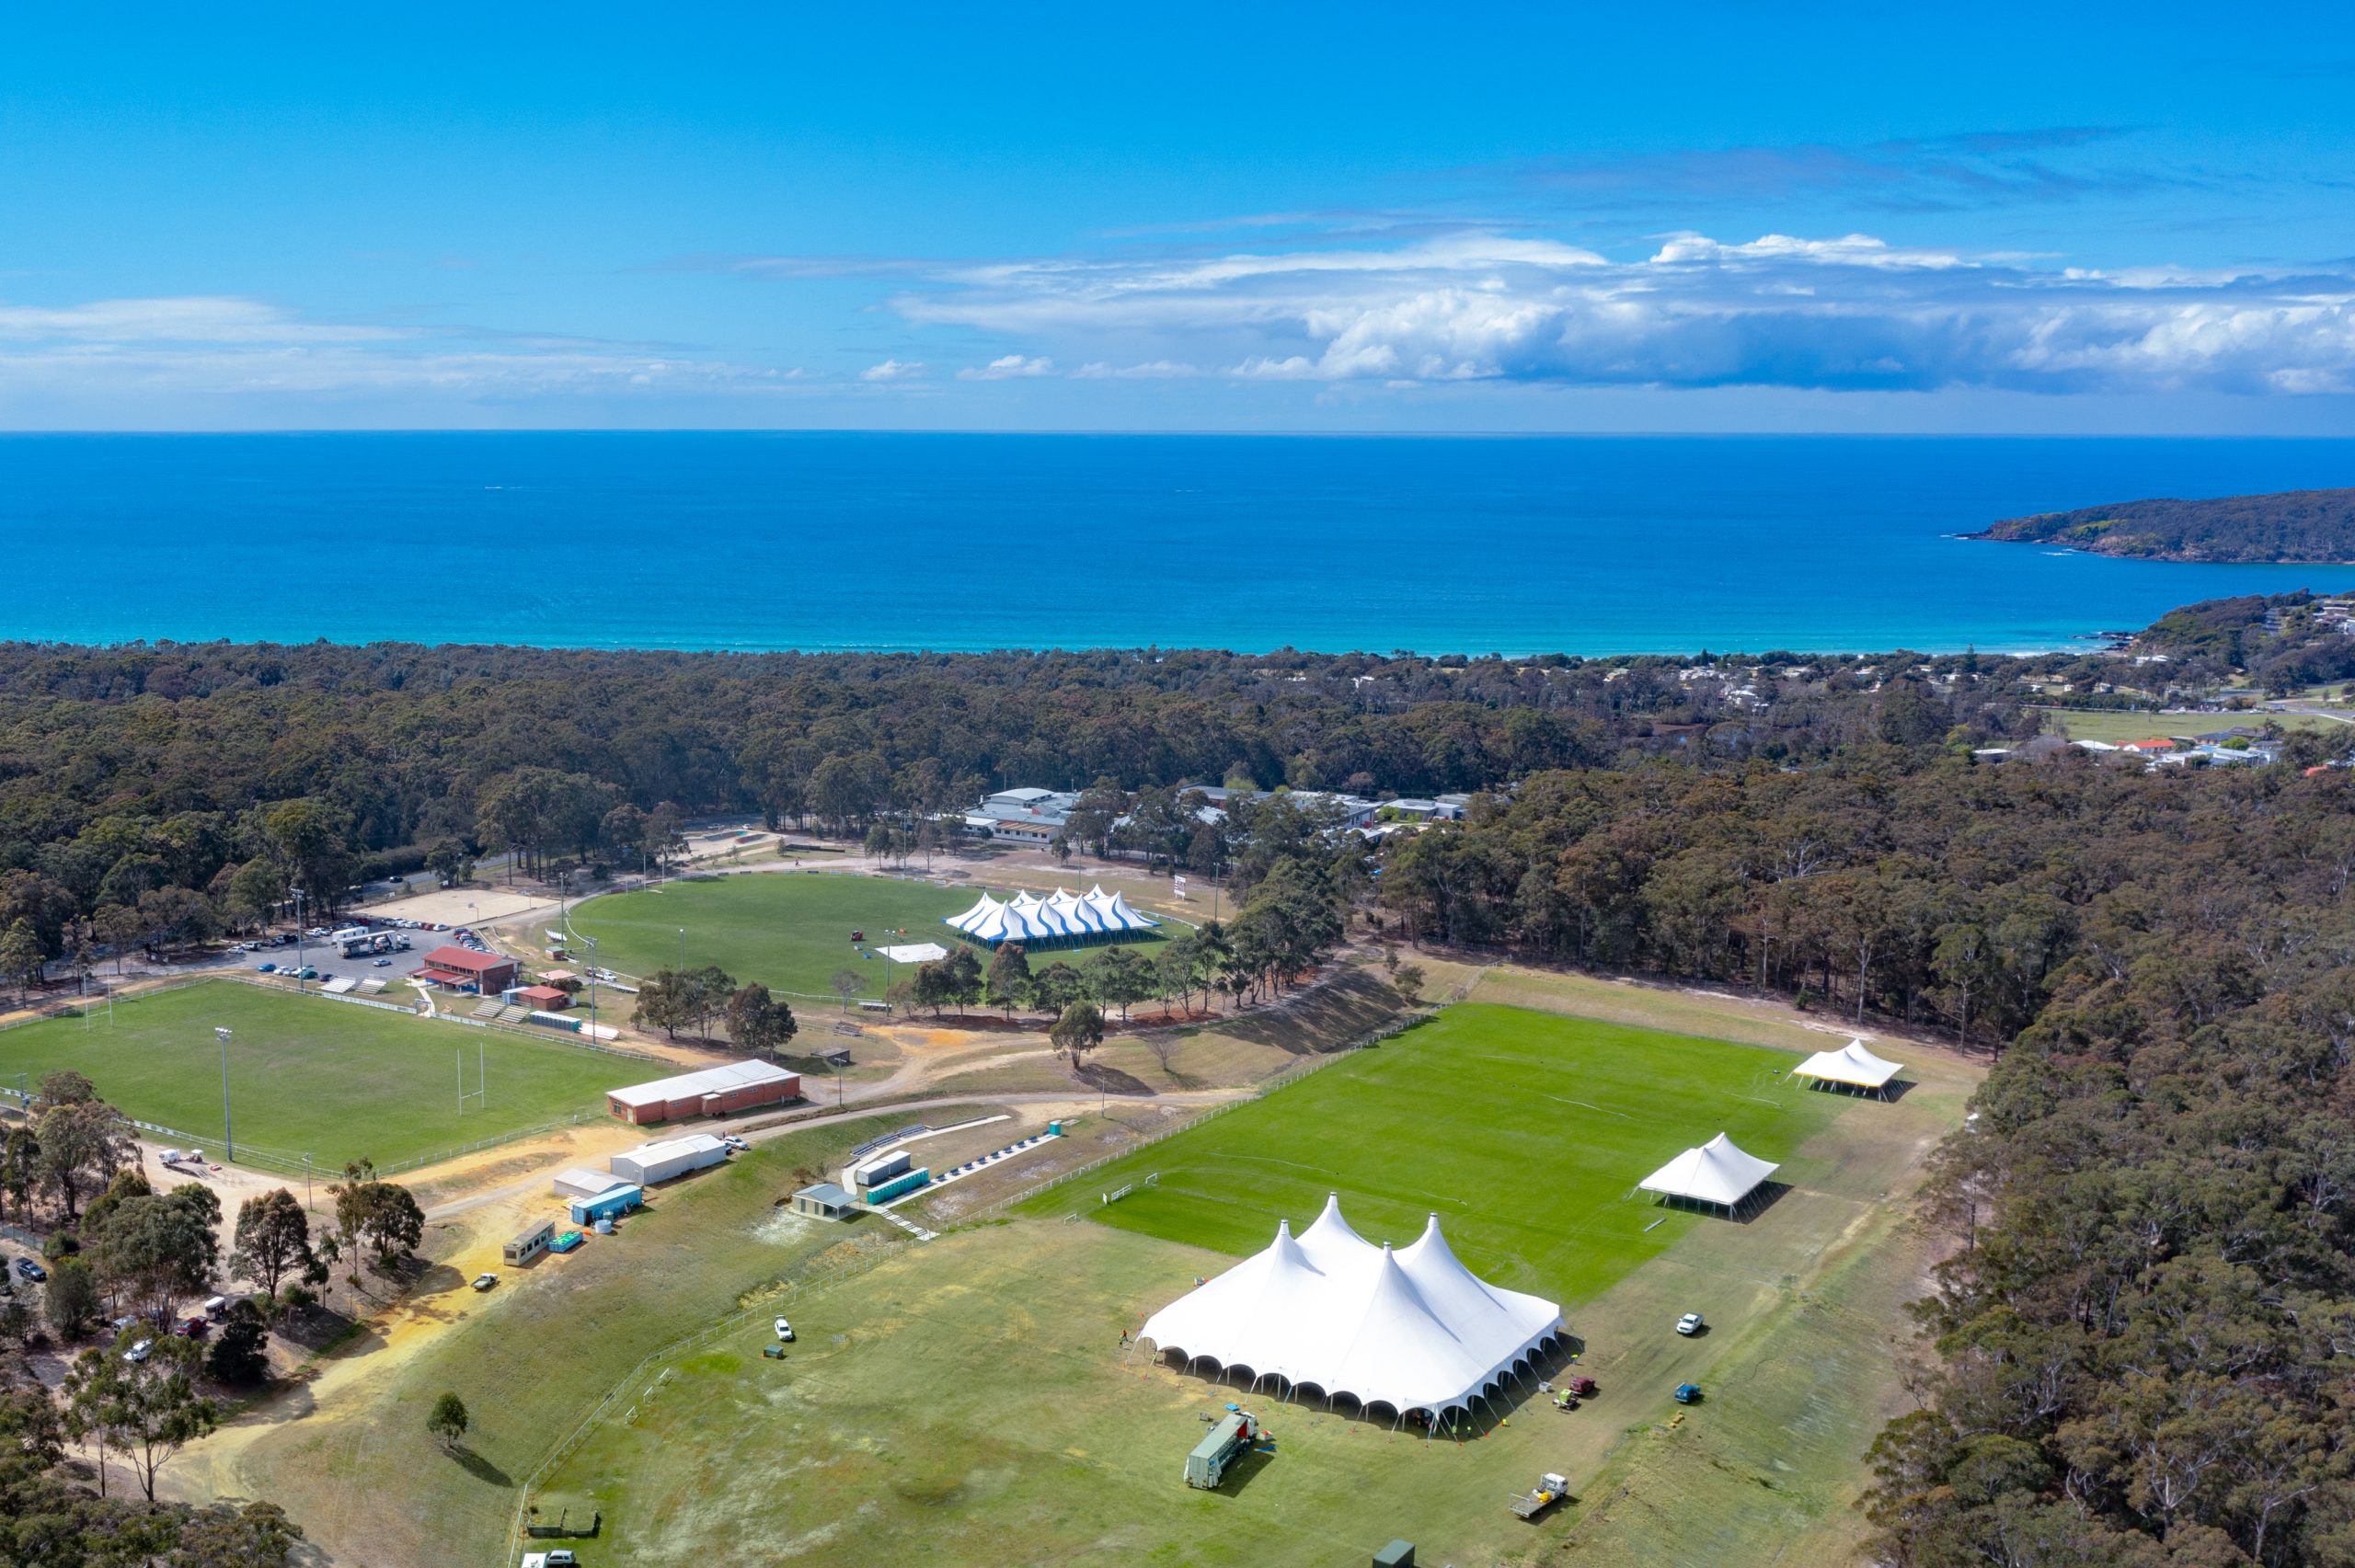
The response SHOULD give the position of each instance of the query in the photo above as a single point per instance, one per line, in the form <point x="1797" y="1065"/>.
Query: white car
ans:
<point x="785" y="1331"/>
<point x="140" y="1352"/>
<point x="1690" y="1324"/>
<point x="734" y="1142"/>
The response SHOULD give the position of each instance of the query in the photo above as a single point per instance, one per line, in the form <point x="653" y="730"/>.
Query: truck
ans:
<point x="1228" y="1437"/>
<point x="1550" y="1489"/>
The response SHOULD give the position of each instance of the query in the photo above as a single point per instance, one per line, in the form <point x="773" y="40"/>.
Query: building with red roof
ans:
<point x="463" y="968"/>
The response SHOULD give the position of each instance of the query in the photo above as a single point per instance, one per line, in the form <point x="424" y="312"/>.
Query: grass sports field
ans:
<point x="1524" y="1131"/>
<point x="973" y="1390"/>
<point x="310" y="1076"/>
<point x="790" y="930"/>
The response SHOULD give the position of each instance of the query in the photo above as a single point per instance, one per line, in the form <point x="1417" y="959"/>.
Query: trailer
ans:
<point x="1233" y="1433"/>
<point x="606" y="1205"/>
<point x="1550" y="1489"/>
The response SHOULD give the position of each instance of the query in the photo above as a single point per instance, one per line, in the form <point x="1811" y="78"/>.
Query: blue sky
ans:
<point x="1264" y="217"/>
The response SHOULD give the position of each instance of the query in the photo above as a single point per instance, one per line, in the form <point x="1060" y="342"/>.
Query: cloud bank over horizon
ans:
<point x="1841" y="314"/>
<point x="1846" y="313"/>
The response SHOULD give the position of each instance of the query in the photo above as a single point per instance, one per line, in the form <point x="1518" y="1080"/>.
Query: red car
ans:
<point x="194" y="1327"/>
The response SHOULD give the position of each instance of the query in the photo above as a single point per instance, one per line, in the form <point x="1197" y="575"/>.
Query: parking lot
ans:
<point x="394" y="967"/>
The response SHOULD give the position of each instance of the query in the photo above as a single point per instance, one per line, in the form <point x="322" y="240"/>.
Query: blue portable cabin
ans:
<point x="884" y="1192"/>
<point x="606" y="1205"/>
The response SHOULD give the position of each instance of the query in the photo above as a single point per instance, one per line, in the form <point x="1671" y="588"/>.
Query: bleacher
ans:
<point x="872" y="1144"/>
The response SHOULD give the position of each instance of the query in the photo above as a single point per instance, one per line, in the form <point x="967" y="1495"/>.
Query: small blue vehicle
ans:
<point x="269" y="968"/>
<point x="1688" y="1394"/>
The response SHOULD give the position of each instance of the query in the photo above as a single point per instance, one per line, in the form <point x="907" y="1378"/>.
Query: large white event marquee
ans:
<point x="1413" y="1330"/>
<point x="1851" y="1065"/>
<point x="1061" y="917"/>
<point x="1716" y="1173"/>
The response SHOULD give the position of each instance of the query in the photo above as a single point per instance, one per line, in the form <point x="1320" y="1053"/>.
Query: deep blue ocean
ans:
<point x="1514" y="545"/>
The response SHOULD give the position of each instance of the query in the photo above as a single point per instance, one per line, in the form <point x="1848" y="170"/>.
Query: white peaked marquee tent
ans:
<point x="1716" y="1173"/>
<point x="1061" y="918"/>
<point x="1851" y="1065"/>
<point x="1328" y="1310"/>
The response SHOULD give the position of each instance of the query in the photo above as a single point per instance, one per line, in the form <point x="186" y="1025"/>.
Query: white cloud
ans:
<point x="1008" y="367"/>
<point x="206" y="345"/>
<point x="1152" y="369"/>
<point x="892" y="370"/>
<point x="192" y="318"/>
<point x="1848" y="311"/>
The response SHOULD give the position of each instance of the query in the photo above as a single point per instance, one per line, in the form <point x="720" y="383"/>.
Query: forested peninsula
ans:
<point x="2291" y="528"/>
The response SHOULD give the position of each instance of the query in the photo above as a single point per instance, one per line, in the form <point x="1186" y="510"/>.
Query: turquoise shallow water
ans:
<point x="957" y="542"/>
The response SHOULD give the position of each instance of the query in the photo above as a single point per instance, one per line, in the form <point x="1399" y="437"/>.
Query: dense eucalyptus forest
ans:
<point x="2140" y="1338"/>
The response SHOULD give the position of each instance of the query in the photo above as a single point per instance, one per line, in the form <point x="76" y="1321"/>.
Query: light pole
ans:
<point x="593" y="984"/>
<point x="228" y="1134"/>
<point x="299" y="962"/>
<point x="306" y="1179"/>
<point x="683" y="950"/>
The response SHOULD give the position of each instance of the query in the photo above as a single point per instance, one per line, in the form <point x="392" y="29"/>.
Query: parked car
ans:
<point x="785" y="1331"/>
<point x="734" y="1142"/>
<point x="196" y="1326"/>
<point x="485" y="1281"/>
<point x="1690" y="1324"/>
<point x="140" y="1352"/>
<point x="382" y="964"/>
<point x="268" y="969"/>
<point x="31" y="1270"/>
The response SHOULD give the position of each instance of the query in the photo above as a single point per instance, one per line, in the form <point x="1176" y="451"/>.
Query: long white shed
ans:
<point x="661" y="1161"/>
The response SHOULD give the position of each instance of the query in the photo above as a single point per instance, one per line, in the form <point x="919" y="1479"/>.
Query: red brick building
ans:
<point x="463" y="968"/>
<point x="714" y="1092"/>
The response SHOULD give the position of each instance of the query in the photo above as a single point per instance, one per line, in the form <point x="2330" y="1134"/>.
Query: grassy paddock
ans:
<point x="533" y="1357"/>
<point x="1524" y="1131"/>
<point x="969" y="1400"/>
<point x="789" y="931"/>
<point x="311" y="1076"/>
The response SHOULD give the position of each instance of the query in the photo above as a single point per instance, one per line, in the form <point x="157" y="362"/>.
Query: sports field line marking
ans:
<point x="1584" y="1106"/>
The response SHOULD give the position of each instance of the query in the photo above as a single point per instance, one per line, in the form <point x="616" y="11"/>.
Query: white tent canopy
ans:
<point x="1413" y="1330"/>
<point x="1061" y="917"/>
<point x="915" y="953"/>
<point x="1717" y="1173"/>
<point x="1851" y="1064"/>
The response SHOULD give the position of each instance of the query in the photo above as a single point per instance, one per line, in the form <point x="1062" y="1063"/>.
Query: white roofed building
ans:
<point x="1410" y="1330"/>
<point x="715" y="1090"/>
